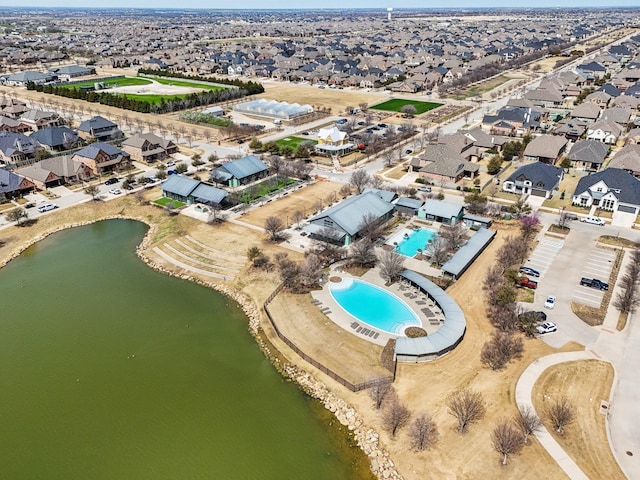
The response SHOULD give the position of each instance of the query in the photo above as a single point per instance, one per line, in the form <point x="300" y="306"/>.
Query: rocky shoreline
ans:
<point x="366" y="438"/>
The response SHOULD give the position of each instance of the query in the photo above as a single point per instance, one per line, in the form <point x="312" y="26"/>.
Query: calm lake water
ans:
<point x="110" y="370"/>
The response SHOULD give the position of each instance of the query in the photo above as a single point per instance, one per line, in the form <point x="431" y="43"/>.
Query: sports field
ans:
<point x="111" y="82"/>
<point x="396" y="104"/>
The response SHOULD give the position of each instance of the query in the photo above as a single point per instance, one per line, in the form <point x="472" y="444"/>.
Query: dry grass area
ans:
<point x="303" y="199"/>
<point x="618" y="241"/>
<point x="425" y="388"/>
<point x="585" y="383"/>
<point x="352" y="358"/>
<point x="336" y="100"/>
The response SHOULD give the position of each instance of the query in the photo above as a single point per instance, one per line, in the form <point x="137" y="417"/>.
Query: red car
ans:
<point x="524" y="282"/>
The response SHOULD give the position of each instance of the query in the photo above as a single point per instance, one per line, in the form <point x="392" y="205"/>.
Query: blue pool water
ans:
<point x="417" y="240"/>
<point x="374" y="306"/>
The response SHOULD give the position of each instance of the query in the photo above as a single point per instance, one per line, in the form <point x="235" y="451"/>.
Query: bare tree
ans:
<point x="628" y="298"/>
<point x="467" y="407"/>
<point x="362" y="253"/>
<point x="423" y="432"/>
<point x="17" y="215"/>
<point x="345" y="190"/>
<point x="216" y="214"/>
<point x="359" y="180"/>
<point x="370" y="226"/>
<point x="561" y="413"/>
<point x="92" y="190"/>
<point x="500" y="350"/>
<point x="527" y="421"/>
<point x="310" y="272"/>
<point x="297" y="217"/>
<point x="274" y="226"/>
<point x="395" y="415"/>
<point x="455" y="236"/>
<point x="391" y="264"/>
<point x="507" y="440"/>
<point x="438" y="250"/>
<point x="379" y="391"/>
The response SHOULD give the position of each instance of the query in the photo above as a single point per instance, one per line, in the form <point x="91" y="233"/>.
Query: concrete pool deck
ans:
<point x="428" y="313"/>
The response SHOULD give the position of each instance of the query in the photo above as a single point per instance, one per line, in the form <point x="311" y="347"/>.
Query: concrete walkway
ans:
<point x="524" y="388"/>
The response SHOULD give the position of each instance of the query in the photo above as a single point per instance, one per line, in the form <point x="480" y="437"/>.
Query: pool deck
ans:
<point x="429" y="314"/>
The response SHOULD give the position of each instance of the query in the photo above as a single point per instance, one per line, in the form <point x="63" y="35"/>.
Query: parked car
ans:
<point x="524" y="282"/>
<point x="47" y="207"/>
<point x="424" y="188"/>
<point x="361" y="123"/>
<point x="593" y="220"/>
<point x="529" y="271"/>
<point x="546" y="327"/>
<point x="550" y="302"/>
<point x="115" y="191"/>
<point x="172" y="172"/>
<point x="171" y="164"/>
<point x="408" y="151"/>
<point x="111" y="181"/>
<point x="594" y="283"/>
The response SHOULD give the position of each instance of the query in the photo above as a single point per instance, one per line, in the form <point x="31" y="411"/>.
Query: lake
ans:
<point x="111" y="370"/>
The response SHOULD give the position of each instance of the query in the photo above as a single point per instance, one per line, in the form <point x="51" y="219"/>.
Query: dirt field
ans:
<point x="155" y="88"/>
<point x="300" y="200"/>
<point x="585" y="384"/>
<point x="336" y="100"/>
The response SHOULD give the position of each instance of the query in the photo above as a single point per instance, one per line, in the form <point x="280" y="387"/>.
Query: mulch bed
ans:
<point x="335" y="279"/>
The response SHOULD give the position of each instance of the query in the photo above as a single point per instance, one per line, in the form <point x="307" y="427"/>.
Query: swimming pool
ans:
<point x="410" y="241"/>
<point x="374" y="306"/>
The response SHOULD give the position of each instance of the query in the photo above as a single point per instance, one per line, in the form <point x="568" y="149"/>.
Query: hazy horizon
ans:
<point x="312" y="5"/>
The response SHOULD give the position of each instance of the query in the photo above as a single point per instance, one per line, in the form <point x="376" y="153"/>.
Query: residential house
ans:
<point x="571" y="129"/>
<point x="633" y="136"/>
<point x="8" y="124"/>
<point x="148" y="147"/>
<point x="545" y="98"/>
<point x="440" y="211"/>
<point x="39" y="119"/>
<point x="460" y="144"/>
<point x="240" y="172"/>
<point x="611" y="189"/>
<point x="103" y="157"/>
<point x="438" y="163"/>
<point x="588" y="155"/>
<point x="586" y="111"/>
<point x="537" y="179"/>
<point x="13" y="185"/>
<point x="605" y="131"/>
<point x="189" y="190"/>
<point x="55" y="171"/>
<point x="17" y="149"/>
<point x="627" y="158"/>
<point x="513" y="120"/>
<point x="57" y="139"/>
<point x="620" y="115"/>
<point x="333" y="141"/>
<point x="12" y="107"/>
<point x="592" y="70"/>
<point x="599" y="98"/>
<point x="99" y="129"/>
<point x="545" y="148"/>
<point x="343" y="222"/>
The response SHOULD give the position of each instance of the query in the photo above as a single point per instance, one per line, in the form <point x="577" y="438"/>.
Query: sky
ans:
<point x="337" y="4"/>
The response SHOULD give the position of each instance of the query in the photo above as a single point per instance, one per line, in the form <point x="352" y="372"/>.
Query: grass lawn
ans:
<point x="293" y="142"/>
<point x="152" y="98"/>
<point x="396" y="104"/>
<point x="165" y="200"/>
<point x="482" y="87"/>
<point x="117" y="82"/>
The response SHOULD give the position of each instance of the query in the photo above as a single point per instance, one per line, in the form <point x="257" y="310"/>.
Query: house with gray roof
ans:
<point x="13" y="185"/>
<point x="148" y="147"/>
<point x="342" y="223"/>
<point x="53" y="171"/>
<point x="439" y="163"/>
<point x="620" y="115"/>
<point x="38" y="119"/>
<point x="103" y="157"/>
<point x="99" y="128"/>
<point x="605" y="131"/>
<point x="68" y="72"/>
<point x="537" y="179"/>
<point x="240" y="172"/>
<point x="57" y="139"/>
<point x="627" y="158"/>
<point x="20" y="79"/>
<point x="17" y="149"/>
<point x="442" y="212"/>
<point x="588" y="155"/>
<point x="408" y="206"/>
<point x="545" y="148"/>
<point x="611" y="189"/>
<point x="586" y="111"/>
<point x="189" y="191"/>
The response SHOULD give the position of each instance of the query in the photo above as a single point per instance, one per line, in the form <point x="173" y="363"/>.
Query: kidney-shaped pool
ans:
<point x="374" y="306"/>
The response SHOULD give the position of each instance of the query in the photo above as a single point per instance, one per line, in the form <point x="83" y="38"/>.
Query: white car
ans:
<point x="171" y="164"/>
<point x="593" y="220"/>
<point x="550" y="302"/>
<point x="115" y="191"/>
<point x="47" y="207"/>
<point x="546" y="327"/>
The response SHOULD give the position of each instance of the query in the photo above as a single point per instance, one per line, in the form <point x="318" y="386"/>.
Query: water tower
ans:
<point x="389" y="10"/>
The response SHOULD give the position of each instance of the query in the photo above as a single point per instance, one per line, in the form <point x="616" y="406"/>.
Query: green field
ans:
<point x="396" y="104"/>
<point x="166" y="200"/>
<point x="152" y="97"/>
<point x="186" y="83"/>
<point x="293" y="142"/>
<point x="115" y="82"/>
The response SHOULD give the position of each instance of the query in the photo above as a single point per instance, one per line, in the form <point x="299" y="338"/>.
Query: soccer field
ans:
<point x="396" y="105"/>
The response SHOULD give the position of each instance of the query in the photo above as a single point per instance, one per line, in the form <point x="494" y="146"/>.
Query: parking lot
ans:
<point x="598" y="264"/>
<point x="543" y="255"/>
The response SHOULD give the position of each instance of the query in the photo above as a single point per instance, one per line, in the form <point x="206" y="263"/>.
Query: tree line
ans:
<point x="252" y="88"/>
